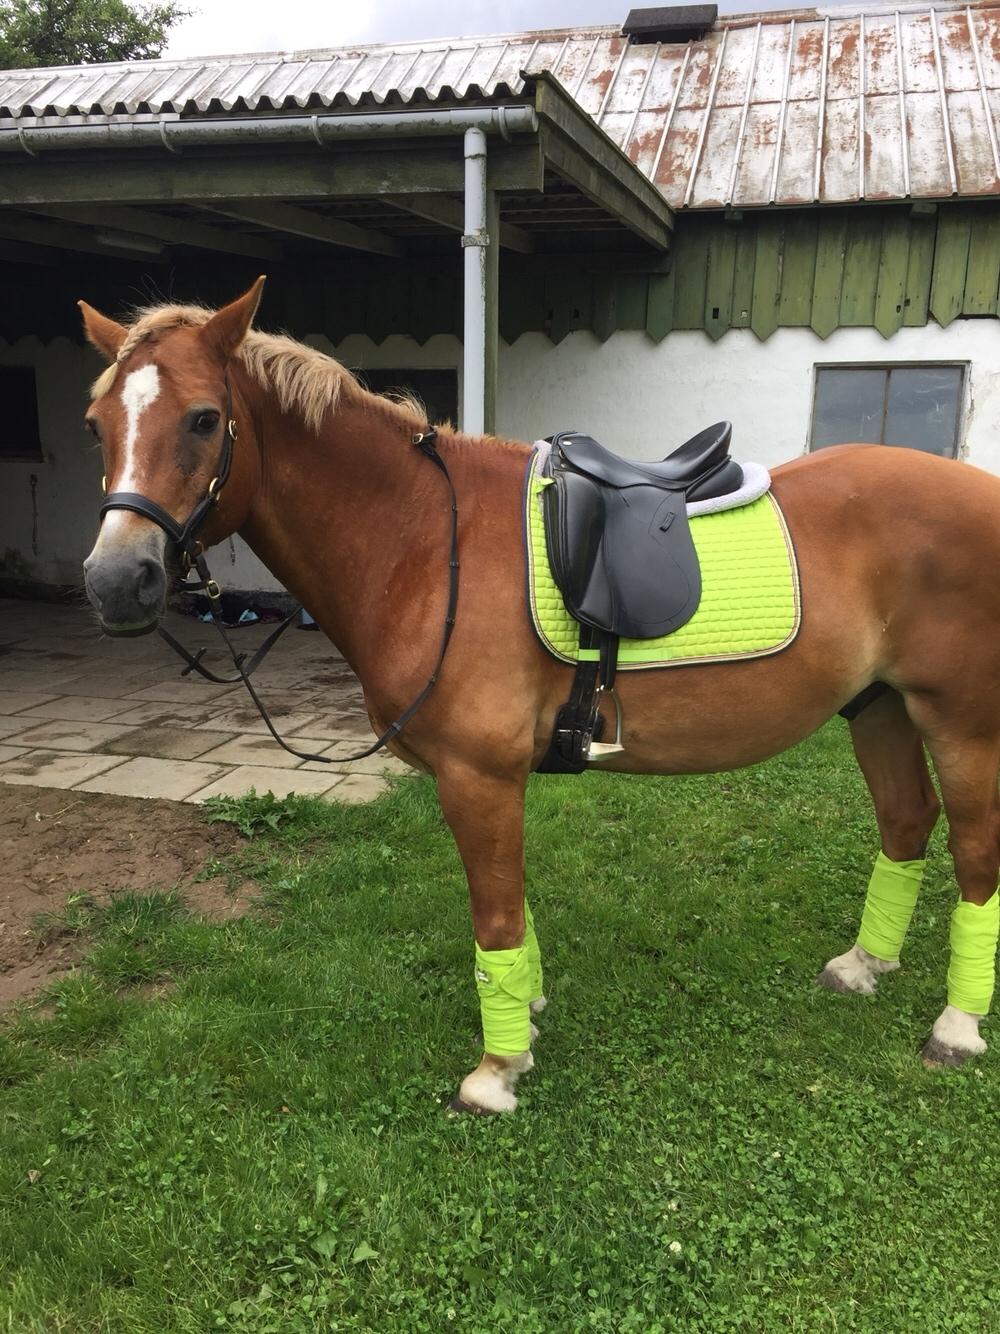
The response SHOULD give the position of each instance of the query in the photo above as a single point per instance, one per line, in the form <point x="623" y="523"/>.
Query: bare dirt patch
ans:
<point x="55" y="843"/>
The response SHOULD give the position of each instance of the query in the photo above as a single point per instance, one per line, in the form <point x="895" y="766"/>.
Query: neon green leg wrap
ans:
<point x="889" y="904"/>
<point x="534" y="953"/>
<point x="504" y="980"/>
<point x="972" y="970"/>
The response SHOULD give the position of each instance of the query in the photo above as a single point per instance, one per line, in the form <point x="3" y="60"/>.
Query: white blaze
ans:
<point x="141" y="388"/>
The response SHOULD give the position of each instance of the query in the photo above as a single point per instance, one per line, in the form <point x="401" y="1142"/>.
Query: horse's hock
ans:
<point x="82" y="712"/>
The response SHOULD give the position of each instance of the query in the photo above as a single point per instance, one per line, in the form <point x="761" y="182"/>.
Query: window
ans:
<point x="19" y="438"/>
<point x="437" y="390"/>
<point x="916" y="406"/>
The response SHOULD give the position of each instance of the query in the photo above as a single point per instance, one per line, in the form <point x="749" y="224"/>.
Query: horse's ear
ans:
<point x="104" y="334"/>
<point x="228" y="327"/>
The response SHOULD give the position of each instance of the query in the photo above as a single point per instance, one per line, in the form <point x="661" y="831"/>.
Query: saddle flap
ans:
<point x="624" y="560"/>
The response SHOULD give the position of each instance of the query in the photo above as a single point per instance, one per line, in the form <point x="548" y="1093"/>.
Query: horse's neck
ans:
<point x="354" y="523"/>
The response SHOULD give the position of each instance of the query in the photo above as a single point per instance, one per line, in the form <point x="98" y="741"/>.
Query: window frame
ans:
<point x="922" y="363"/>
<point x="32" y="453"/>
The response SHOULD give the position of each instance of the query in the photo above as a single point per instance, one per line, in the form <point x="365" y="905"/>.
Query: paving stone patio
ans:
<point x="81" y="711"/>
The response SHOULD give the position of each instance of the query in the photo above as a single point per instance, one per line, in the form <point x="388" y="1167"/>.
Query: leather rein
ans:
<point x="184" y="544"/>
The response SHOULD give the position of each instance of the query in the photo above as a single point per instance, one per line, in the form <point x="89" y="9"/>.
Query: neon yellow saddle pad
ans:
<point x="750" y="600"/>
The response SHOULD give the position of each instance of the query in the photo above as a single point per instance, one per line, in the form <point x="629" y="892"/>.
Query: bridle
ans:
<point x="186" y="549"/>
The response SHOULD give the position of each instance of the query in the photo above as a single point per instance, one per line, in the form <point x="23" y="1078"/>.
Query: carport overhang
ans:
<point x="530" y="173"/>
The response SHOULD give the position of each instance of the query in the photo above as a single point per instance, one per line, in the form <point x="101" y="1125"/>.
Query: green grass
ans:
<point x="708" y="1143"/>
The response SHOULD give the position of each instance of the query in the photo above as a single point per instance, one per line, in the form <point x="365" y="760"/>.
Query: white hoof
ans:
<point x="954" y="1038"/>
<point x="490" y="1088"/>
<point x="856" y="971"/>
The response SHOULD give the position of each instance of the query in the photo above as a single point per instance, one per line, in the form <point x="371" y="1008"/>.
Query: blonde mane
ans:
<point x="306" y="381"/>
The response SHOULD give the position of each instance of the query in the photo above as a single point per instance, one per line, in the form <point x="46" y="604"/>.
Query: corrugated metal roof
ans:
<point x="783" y="108"/>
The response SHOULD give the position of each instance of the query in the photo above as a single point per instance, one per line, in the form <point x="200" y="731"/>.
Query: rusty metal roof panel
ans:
<point x="794" y="107"/>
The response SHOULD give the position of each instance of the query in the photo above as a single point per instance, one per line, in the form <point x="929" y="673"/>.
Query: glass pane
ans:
<point x="848" y="406"/>
<point x="922" y="409"/>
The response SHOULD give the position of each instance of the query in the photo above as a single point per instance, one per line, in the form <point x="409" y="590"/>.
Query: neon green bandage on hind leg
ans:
<point x="972" y="970"/>
<point x="504" y="980"/>
<point x="534" y="953"/>
<point x="889" y="904"/>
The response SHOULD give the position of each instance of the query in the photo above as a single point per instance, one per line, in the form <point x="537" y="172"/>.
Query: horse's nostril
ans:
<point x="149" y="586"/>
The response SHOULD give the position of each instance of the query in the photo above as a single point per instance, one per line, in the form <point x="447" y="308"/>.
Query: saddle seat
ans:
<point x="617" y="531"/>
<point x="701" y="467"/>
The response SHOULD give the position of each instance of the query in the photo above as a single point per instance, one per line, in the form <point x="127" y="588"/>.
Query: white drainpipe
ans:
<point x="475" y="242"/>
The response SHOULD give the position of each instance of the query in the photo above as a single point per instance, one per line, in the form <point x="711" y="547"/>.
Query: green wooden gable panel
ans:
<point x="919" y="264"/>
<point x="982" y="275"/>
<point x="890" y="291"/>
<point x="861" y="261"/>
<point x="798" y="269"/>
<point x="951" y="262"/>
<point x="719" y="283"/>
<point x="828" y="275"/>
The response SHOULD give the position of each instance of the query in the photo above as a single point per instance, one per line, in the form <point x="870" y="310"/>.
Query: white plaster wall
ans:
<point x="642" y="398"/>
<point x="49" y="545"/>
<point x="637" y="396"/>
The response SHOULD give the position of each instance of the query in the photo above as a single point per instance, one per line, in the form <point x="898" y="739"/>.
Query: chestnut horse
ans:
<point x="898" y="552"/>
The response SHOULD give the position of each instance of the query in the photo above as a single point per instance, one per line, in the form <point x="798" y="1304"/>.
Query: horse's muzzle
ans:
<point x="127" y="589"/>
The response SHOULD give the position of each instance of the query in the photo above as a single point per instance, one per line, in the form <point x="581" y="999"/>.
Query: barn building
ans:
<point x="789" y="219"/>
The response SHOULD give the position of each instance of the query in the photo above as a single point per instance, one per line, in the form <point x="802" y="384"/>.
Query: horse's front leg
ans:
<point x="486" y="816"/>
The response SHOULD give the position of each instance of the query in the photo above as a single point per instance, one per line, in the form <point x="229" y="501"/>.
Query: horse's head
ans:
<point x="161" y="413"/>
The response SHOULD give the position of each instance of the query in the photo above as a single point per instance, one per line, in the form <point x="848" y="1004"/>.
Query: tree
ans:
<point x="79" y="32"/>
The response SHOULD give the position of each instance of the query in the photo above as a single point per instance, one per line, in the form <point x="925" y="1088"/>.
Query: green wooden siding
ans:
<point x="876" y="266"/>
<point x="821" y="268"/>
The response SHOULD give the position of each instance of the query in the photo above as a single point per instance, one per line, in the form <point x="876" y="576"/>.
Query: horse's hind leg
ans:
<point x="966" y="754"/>
<point x="891" y="757"/>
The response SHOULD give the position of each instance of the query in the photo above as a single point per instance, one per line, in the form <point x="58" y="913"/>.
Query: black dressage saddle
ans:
<point x="617" y="531"/>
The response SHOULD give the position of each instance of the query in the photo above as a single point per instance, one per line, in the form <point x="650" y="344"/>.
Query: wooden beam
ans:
<point x="63" y="236"/>
<point x="175" y="231"/>
<point x="314" y="226"/>
<point x="90" y="179"/>
<point x="450" y="213"/>
<point x="583" y="154"/>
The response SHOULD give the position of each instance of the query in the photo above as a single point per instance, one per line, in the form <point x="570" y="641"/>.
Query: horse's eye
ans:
<point x="92" y="427"/>
<point x="206" y="422"/>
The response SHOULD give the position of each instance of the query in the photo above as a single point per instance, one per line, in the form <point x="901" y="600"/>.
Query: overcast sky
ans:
<point x="222" y="26"/>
